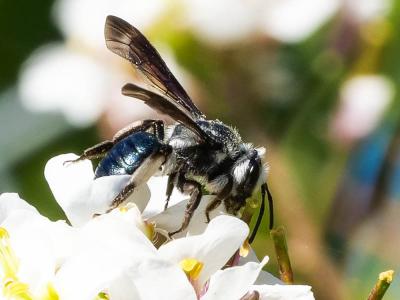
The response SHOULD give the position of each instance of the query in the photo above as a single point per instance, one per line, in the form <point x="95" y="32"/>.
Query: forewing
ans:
<point x="162" y="105"/>
<point x="126" y="41"/>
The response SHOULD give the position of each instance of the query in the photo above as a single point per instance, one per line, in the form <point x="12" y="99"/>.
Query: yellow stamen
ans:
<point x="123" y="209"/>
<point x="8" y="260"/>
<point x="149" y="230"/>
<point x="51" y="293"/>
<point x="102" y="296"/>
<point x="192" y="267"/>
<point x="244" y="249"/>
<point x="11" y="287"/>
<point x="16" y="290"/>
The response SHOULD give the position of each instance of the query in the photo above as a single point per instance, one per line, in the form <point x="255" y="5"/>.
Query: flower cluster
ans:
<point x="122" y="254"/>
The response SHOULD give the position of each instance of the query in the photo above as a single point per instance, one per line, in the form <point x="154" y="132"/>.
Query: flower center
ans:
<point x="11" y="286"/>
<point x="192" y="268"/>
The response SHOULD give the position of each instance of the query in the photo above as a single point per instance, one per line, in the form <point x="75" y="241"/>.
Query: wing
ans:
<point x="164" y="106"/>
<point x="126" y="41"/>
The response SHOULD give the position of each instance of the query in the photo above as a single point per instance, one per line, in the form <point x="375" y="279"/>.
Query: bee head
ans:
<point x="248" y="173"/>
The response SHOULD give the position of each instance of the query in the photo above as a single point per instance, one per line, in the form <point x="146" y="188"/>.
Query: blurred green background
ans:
<point x="315" y="82"/>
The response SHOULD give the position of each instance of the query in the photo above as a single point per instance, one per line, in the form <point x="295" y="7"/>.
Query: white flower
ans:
<point x="364" y="11"/>
<point x="226" y="22"/>
<point x="80" y="77"/>
<point x="284" y="292"/>
<point x="223" y="21"/>
<point x="58" y="79"/>
<point x="112" y="256"/>
<point x="291" y="21"/>
<point x="84" y="19"/>
<point x="363" y="100"/>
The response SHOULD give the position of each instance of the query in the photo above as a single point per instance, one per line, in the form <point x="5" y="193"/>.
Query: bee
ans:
<point x="195" y="153"/>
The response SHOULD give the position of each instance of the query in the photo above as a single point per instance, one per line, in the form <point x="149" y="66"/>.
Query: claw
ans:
<point x="71" y="161"/>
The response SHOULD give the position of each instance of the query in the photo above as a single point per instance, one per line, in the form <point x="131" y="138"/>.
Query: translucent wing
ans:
<point x="126" y="41"/>
<point x="164" y="106"/>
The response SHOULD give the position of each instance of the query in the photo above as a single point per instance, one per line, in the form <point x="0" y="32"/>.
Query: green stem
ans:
<point x="381" y="286"/>
<point x="278" y="236"/>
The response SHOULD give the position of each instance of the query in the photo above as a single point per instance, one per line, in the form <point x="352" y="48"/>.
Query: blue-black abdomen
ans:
<point x="128" y="154"/>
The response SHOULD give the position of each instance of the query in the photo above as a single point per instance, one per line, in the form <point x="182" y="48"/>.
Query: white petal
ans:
<point x="56" y="78"/>
<point x="79" y="195"/>
<point x="10" y="202"/>
<point x="158" y="188"/>
<point x="121" y="287"/>
<point x="106" y="188"/>
<point x="233" y="283"/>
<point x="223" y="236"/>
<point x="113" y="249"/>
<point x="40" y="245"/>
<point x="71" y="186"/>
<point x="171" y="219"/>
<point x="158" y="279"/>
<point x="107" y="246"/>
<point x="89" y="273"/>
<point x="119" y="230"/>
<point x="264" y="277"/>
<point x="284" y="292"/>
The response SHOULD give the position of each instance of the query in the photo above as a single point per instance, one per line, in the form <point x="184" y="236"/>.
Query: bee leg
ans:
<point x="141" y="175"/>
<point x="101" y="149"/>
<point x="122" y="196"/>
<point x="96" y="151"/>
<point x="157" y="127"/>
<point x="222" y="195"/>
<point x="211" y="206"/>
<point x="170" y="188"/>
<point x="192" y="205"/>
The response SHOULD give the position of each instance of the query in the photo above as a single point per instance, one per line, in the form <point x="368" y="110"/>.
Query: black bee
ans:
<point x="195" y="153"/>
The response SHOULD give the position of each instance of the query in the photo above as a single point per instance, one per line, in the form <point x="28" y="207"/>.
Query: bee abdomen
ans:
<point x="128" y="154"/>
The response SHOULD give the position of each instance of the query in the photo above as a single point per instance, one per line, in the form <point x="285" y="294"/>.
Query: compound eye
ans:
<point x="252" y="176"/>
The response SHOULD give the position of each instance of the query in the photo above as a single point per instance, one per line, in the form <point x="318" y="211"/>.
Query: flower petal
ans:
<point x="120" y="230"/>
<point x="10" y="202"/>
<point x="88" y="273"/>
<point x="264" y="277"/>
<point x="284" y="292"/>
<point x="213" y="248"/>
<point x="235" y="282"/>
<point x="158" y="188"/>
<point x="168" y="278"/>
<point x="171" y="219"/>
<point x="39" y="244"/>
<point x="79" y="195"/>
<point x="106" y="188"/>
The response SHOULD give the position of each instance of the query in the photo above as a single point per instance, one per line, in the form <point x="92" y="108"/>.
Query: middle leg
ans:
<point x="195" y="197"/>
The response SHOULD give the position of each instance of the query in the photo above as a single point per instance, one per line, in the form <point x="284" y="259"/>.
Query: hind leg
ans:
<point x="141" y="175"/>
<point x="100" y="150"/>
